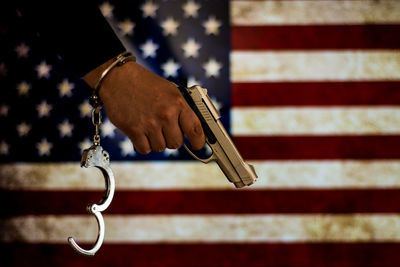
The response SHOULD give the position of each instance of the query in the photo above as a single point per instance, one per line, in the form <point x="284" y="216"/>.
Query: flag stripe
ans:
<point x="315" y="93"/>
<point x="327" y="65"/>
<point x="315" y="121"/>
<point x="191" y="254"/>
<point x="180" y="175"/>
<point x="206" y="202"/>
<point x="205" y="228"/>
<point x="318" y="147"/>
<point x="315" y="37"/>
<point x="314" y="12"/>
<point x="326" y="195"/>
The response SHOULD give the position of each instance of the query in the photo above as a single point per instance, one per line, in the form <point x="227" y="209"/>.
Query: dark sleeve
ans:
<point x="77" y="31"/>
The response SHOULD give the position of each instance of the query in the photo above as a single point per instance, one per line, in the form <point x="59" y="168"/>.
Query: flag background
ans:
<point x="311" y="99"/>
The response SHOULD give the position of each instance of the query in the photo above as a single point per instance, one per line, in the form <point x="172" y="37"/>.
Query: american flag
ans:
<point x="310" y="91"/>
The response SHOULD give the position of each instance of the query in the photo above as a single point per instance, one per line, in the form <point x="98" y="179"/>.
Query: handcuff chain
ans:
<point x="96" y="156"/>
<point x="96" y="123"/>
<point x="95" y="100"/>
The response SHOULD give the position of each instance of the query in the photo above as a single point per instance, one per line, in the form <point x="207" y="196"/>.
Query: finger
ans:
<point x="140" y="143"/>
<point x="173" y="135"/>
<point x="157" y="140"/>
<point x="191" y="126"/>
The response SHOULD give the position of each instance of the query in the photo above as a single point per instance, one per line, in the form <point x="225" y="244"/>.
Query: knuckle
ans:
<point x="196" y="129"/>
<point x="151" y="124"/>
<point x="134" y="132"/>
<point x="179" y="101"/>
<point x="136" y="136"/>
<point x="140" y="147"/>
<point x="175" y="144"/>
<point x="167" y="115"/>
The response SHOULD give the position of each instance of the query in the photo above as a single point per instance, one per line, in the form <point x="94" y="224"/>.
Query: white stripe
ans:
<point x="249" y="66"/>
<point x="196" y="176"/>
<point x="315" y="121"/>
<point x="314" y="12"/>
<point x="220" y="229"/>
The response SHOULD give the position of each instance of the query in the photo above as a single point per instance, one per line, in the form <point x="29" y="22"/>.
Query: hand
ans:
<point x="147" y="108"/>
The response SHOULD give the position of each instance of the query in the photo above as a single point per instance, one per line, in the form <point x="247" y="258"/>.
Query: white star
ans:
<point x="106" y="9"/>
<point x="85" y="109"/>
<point x="44" y="147"/>
<point x="171" y="152"/>
<point x="23" y="129"/>
<point x="216" y="103"/>
<point x="107" y="129"/>
<point x="43" y="109"/>
<point x="126" y="148"/>
<point x="192" y="81"/>
<point x="149" y="49"/>
<point x="43" y="70"/>
<point x="65" y="128"/>
<point x="170" y="26"/>
<point x="4" y="147"/>
<point x="191" y="8"/>
<point x="191" y="48"/>
<point x="22" y="50"/>
<point x="149" y="9"/>
<point x="126" y="27"/>
<point x="23" y="88"/>
<point x="65" y="88"/>
<point x="212" y="68"/>
<point x="212" y="26"/>
<point x="170" y="68"/>
<point x="85" y="144"/>
<point x="4" y="110"/>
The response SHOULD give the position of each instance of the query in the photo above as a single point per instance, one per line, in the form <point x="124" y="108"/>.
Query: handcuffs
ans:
<point x="96" y="156"/>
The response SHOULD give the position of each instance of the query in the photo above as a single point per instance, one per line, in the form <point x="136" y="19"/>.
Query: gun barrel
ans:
<point x="229" y="159"/>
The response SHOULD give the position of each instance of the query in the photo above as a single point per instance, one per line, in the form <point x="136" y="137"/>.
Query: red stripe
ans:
<point x="318" y="147"/>
<point x="315" y="93"/>
<point x="207" y="202"/>
<point x="315" y="37"/>
<point x="185" y="255"/>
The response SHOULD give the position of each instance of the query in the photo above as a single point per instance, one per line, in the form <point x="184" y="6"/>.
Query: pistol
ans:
<point x="224" y="151"/>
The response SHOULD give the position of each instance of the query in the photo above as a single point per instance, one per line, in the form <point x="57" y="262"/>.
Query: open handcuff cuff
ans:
<point x="96" y="156"/>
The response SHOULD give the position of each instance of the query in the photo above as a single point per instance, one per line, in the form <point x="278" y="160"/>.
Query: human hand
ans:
<point x="147" y="108"/>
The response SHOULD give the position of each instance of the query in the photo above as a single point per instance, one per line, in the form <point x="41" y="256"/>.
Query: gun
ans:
<point x="225" y="153"/>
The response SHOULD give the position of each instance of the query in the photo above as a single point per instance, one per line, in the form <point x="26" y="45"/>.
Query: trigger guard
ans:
<point x="207" y="160"/>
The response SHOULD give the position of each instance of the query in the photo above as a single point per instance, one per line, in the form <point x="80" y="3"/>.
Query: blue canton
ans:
<point x="44" y="109"/>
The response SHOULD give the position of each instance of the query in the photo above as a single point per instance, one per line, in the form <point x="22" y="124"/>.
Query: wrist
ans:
<point x="104" y="70"/>
<point x="94" y="75"/>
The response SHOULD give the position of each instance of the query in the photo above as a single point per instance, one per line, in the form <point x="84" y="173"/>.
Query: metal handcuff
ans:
<point x="96" y="156"/>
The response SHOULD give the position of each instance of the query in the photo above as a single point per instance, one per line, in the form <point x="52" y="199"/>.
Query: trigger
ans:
<point x="207" y="160"/>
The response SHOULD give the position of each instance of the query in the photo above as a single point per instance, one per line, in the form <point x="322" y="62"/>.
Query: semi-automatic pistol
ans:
<point x="224" y="151"/>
